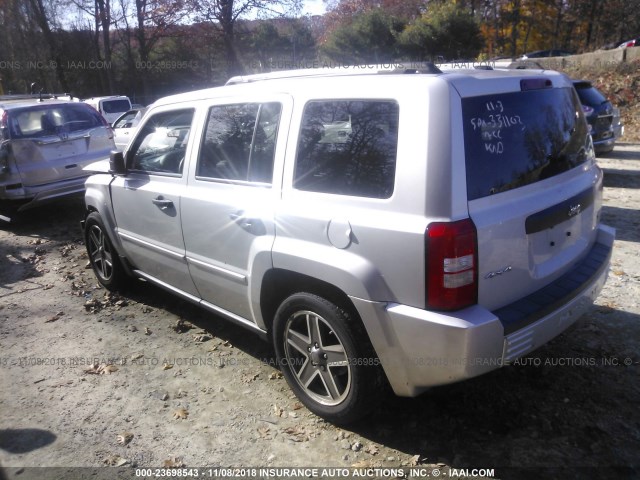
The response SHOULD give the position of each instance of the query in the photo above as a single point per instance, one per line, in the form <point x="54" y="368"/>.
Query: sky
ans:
<point x="313" y="7"/>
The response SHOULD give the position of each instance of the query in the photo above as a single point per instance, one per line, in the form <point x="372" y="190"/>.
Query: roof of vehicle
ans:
<point x="108" y="97"/>
<point x="30" y="101"/>
<point x="326" y="79"/>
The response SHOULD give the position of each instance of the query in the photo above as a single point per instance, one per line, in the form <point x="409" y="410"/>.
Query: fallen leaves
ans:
<point x="265" y="433"/>
<point x="182" y="326"/>
<point x="372" y="450"/>
<point x="109" y="299"/>
<point x="173" y="462"/>
<point x="249" y="377"/>
<point x="124" y="438"/>
<point x="57" y="316"/>
<point x="278" y="411"/>
<point x="104" y="369"/>
<point x="115" y="461"/>
<point x="181" y="414"/>
<point x="300" y="433"/>
<point x="202" y="337"/>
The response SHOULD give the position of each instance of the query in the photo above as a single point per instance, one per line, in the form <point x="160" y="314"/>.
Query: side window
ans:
<point x="239" y="142"/>
<point x="161" y="144"/>
<point x="348" y="147"/>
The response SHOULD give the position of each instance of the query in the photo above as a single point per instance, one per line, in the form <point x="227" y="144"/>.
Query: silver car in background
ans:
<point x="45" y="144"/>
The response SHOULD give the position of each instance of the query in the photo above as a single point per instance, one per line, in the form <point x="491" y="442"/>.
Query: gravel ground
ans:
<point x="115" y="383"/>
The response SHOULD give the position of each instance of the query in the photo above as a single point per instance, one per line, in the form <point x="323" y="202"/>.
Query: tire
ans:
<point x="104" y="259"/>
<point x="308" y="333"/>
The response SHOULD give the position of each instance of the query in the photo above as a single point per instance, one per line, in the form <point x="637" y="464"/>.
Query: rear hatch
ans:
<point x="533" y="189"/>
<point x="54" y="142"/>
<point x="112" y="108"/>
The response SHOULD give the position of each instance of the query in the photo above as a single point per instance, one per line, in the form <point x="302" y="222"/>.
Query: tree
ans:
<point x="443" y="31"/>
<point x="224" y="14"/>
<point x="371" y="37"/>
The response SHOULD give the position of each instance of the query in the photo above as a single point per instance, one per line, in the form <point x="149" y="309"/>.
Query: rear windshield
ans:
<point x="590" y="95"/>
<point x="515" y="139"/>
<point x="52" y="120"/>
<point x="115" y="106"/>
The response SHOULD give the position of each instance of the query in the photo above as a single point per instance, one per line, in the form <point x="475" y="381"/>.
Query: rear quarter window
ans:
<point x="516" y="139"/>
<point x="348" y="147"/>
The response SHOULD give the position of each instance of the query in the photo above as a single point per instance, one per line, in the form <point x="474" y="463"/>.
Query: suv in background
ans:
<point x="396" y="227"/>
<point x="45" y="144"/>
<point x="600" y="114"/>
<point x="110" y="107"/>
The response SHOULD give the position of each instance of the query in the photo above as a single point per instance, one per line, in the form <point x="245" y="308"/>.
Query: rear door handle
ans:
<point x="161" y="202"/>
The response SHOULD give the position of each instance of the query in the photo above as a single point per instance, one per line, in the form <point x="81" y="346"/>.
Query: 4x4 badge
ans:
<point x="498" y="272"/>
<point x="574" y="210"/>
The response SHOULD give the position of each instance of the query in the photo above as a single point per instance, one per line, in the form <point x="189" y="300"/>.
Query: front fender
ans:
<point x="97" y="198"/>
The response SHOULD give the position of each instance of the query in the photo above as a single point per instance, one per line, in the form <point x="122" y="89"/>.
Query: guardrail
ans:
<point x="601" y="58"/>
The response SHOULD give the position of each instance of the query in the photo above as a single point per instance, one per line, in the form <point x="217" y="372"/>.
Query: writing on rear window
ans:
<point x="515" y="139"/>
<point x="491" y="125"/>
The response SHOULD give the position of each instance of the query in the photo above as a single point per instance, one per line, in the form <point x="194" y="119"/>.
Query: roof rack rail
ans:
<point x="349" y="70"/>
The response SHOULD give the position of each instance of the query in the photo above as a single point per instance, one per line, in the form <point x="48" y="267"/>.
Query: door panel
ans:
<point x="147" y="201"/>
<point x="225" y="227"/>
<point x="228" y="211"/>
<point x="147" y="212"/>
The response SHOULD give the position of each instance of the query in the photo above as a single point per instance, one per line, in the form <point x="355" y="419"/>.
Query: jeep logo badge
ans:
<point x="574" y="210"/>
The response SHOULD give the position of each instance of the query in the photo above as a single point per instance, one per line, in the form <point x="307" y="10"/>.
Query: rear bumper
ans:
<point x="419" y="349"/>
<point x="604" y="145"/>
<point x="19" y="198"/>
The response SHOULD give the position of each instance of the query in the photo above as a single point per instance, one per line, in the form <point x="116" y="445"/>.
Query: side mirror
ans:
<point x="117" y="164"/>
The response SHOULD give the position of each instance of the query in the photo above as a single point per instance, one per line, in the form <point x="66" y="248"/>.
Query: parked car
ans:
<point x="635" y="42"/>
<point x="125" y="127"/>
<point x="44" y="146"/>
<point x="414" y="229"/>
<point x="600" y="115"/>
<point x="546" y="53"/>
<point x="110" y="107"/>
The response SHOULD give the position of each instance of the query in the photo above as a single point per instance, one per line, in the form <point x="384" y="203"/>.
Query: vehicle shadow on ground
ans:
<point x="54" y="221"/>
<point x="24" y="440"/>
<point x="618" y="154"/>
<point x="626" y="221"/>
<point x="217" y="326"/>
<point x="550" y="409"/>
<point x="59" y="222"/>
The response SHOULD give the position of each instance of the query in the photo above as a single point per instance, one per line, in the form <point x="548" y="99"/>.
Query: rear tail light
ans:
<point x="110" y="133"/>
<point x="452" y="265"/>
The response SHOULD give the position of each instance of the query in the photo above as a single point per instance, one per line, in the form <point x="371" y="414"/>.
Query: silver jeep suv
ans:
<point x="402" y="227"/>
